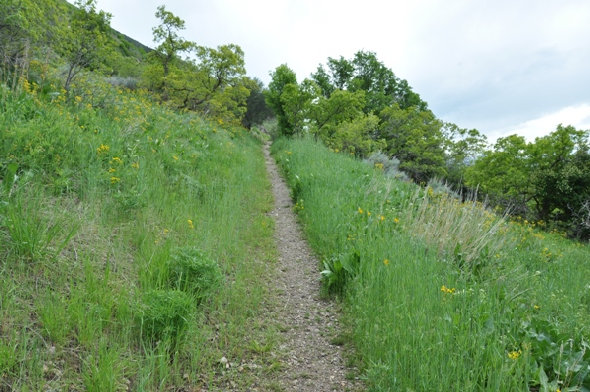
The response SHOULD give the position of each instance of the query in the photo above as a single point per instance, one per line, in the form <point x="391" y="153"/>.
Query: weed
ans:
<point x="164" y="314"/>
<point x="192" y="271"/>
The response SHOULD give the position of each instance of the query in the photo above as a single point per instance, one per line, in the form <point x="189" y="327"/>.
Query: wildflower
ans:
<point x="135" y="165"/>
<point x="116" y="160"/>
<point x="190" y="224"/>
<point x="115" y="180"/>
<point x="360" y="210"/>
<point x="386" y="262"/>
<point x="175" y="157"/>
<point x="381" y="218"/>
<point x="395" y="220"/>
<point x="447" y="290"/>
<point x="112" y="170"/>
<point x="78" y="99"/>
<point x="368" y="213"/>
<point x="514" y="354"/>
<point x="536" y="307"/>
<point x="379" y="165"/>
<point x="102" y="149"/>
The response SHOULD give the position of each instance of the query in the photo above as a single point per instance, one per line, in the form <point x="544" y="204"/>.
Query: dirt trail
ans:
<point x="308" y="322"/>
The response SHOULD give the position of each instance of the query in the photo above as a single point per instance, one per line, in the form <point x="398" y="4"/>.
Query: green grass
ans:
<point x="109" y="192"/>
<point x="441" y="294"/>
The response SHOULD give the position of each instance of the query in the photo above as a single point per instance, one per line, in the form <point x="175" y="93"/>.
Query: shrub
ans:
<point x="390" y="166"/>
<point x="192" y="271"/>
<point x="164" y="314"/>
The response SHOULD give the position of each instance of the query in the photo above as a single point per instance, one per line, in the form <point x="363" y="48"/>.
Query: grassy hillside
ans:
<point x="132" y="239"/>
<point x="441" y="294"/>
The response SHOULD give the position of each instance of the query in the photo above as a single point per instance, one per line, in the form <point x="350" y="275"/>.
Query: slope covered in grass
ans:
<point x="441" y="294"/>
<point x="130" y="238"/>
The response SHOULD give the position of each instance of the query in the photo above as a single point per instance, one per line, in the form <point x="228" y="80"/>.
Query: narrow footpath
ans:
<point x="308" y="323"/>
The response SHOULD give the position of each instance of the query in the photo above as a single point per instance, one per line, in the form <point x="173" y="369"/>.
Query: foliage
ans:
<point x="257" y="111"/>
<point x="164" y="314"/>
<point x="414" y="137"/>
<point x="366" y="73"/>
<point x="283" y="79"/>
<point x="545" y="180"/>
<point x="100" y="196"/>
<point x="85" y="41"/>
<point x="192" y="271"/>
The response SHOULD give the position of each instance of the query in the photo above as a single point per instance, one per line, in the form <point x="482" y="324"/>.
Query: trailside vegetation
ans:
<point x="441" y="293"/>
<point x="133" y="236"/>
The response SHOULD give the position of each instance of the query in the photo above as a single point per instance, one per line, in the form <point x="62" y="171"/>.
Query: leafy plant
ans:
<point x="340" y="269"/>
<point x="192" y="271"/>
<point x="164" y="314"/>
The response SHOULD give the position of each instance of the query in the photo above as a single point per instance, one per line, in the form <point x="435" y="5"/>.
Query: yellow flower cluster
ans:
<point x="447" y="290"/>
<point x="514" y="354"/>
<point x="190" y="224"/>
<point x="115" y="180"/>
<point x="103" y="148"/>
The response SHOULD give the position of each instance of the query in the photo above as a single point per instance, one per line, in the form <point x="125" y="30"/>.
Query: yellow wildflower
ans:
<point x="135" y="165"/>
<point x="102" y="149"/>
<point x="447" y="290"/>
<point x="360" y="210"/>
<point x="112" y="170"/>
<point x="115" y="180"/>
<point x="116" y="160"/>
<point x="395" y="220"/>
<point x="175" y="157"/>
<point x="514" y="354"/>
<point x="190" y="224"/>
<point x="386" y="262"/>
<point x="381" y="218"/>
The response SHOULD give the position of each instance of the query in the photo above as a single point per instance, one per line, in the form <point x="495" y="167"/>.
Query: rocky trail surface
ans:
<point x="308" y="323"/>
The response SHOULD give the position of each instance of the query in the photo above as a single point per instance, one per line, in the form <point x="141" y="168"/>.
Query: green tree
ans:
<point x="365" y="72"/>
<point x="414" y="137"/>
<point x="355" y="136"/>
<point x="504" y="171"/>
<point x="167" y="53"/>
<point x="86" y="41"/>
<point x="341" y="106"/>
<point x="280" y="78"/>
<point x="296" y="101"/>
<point x="257" y="109"/>
<point x="560" y="173"/>
<point x="462" y="147"/>
<point x="21" y="25"/>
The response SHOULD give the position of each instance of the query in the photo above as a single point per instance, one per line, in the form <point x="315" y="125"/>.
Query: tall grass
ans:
<point x="441" y="294"/>
<point x="130" y="240"/>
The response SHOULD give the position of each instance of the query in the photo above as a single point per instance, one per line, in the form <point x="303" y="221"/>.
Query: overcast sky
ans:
<point x="501" y="66"/>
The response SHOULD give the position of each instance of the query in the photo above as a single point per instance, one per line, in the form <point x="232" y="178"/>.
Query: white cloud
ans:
<point x="578" y="116"/>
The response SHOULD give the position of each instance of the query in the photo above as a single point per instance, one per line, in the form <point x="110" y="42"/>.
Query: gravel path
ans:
<point x="308" y="322"/>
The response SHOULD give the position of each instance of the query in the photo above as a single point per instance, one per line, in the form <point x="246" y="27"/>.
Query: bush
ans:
<point x="192" y="271"/>
<point x="164" y="314"/>
<point x="390" y="166"/>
